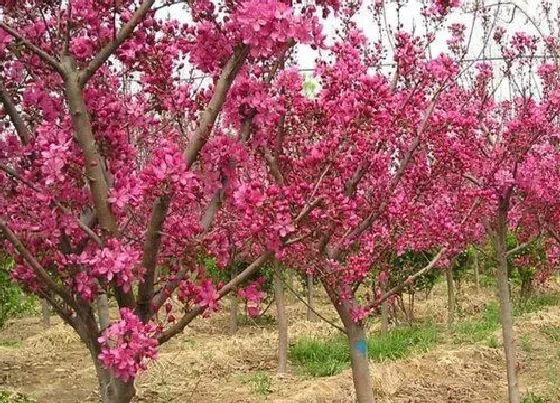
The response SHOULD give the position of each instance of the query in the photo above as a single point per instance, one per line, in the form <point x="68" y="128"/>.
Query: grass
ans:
<point x="551" y="332"/>
<point x="475" y="331"/>
<point x="533" y="398"/>
<point x="319" y="358"/>
<point x="261" y="320"/>
<point x="483" y="328"/>
<point x="260" y="383"/>
<point x="13" y="397"/>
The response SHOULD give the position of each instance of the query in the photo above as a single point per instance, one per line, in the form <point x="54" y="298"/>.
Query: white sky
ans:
<point x="505" y="15"/>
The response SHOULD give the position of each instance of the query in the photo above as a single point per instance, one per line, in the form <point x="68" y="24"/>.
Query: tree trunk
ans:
<point x="281" y="319"/>
<point x="384" y="314"/>
<point x="450" y="297"/>
<point x="46" y="314"/>
<point x="311" y="317"/>
<point x="103" y="311"/>
<point x="505" y="303"/>
<point x="358" y="348"/>
<point x="112" y="389"/>
<point x="233" y="313"/>
<point x="290" y="298"/>
<point x="476" y="271"/>
<point x="358" y="355"/>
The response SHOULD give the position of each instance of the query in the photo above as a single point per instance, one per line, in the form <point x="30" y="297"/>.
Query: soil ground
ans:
<point x="205" y="364"/>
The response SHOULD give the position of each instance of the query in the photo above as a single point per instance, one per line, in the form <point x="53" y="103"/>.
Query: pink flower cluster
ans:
<point x="253" y="296"/>
<point x="268" y="24"/>
<point x="126" y="345"/>
<point x="114" y="261"/>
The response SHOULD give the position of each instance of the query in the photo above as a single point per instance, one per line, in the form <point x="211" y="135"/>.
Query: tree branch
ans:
<point x="112" y="46"/>
<point x="40" y="272"/>
<point x="55" y="64"/>
<point x="10" y="108"/>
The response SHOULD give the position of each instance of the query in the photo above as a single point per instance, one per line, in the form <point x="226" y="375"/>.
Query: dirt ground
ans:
<point x="205" y="364"/>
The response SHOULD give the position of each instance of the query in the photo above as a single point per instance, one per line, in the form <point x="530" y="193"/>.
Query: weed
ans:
<point x="525" y="341"/>
<point x="531" y="397"/>
<point x="535" y="303"/>
<point x="493" y="341"/>
<point x="552" y="332"/>
<point x="260" y="383"/>
<point x="13" y="397"/>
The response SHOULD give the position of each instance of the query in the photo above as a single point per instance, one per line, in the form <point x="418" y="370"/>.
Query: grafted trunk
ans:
<point x="281" y="319"/>
<point x="112" y="389"/>
<point x="358" y="349"/>
<point x="506" y="317"/>
<point x="311" y="317"/>
<point x="46" y="314"/>
<point x="358" y="356"/>
<point x="450" y="297"/>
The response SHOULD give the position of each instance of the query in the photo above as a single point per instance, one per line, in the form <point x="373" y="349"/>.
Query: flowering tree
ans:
<point x="114" y="164"/>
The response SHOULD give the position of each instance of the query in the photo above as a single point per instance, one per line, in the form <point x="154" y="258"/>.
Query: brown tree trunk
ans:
<point x="112" y="389"/>
<point x="476" y="271"/>
<point x="358" y="348"/>
<point x="384" y="314"/>
<point x="506" y="317"/>
<point x="233" y="313"/>
<point x="281" y="319"/>
<point x="46" y="314"/>
<point x="450" y="297"/>
<point x="311" y="317"/>
<point x="358" y="355"/>
<point x="103" y="311"/>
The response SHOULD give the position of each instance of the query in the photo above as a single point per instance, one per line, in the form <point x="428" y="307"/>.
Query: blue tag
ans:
<point x="361" y="347"/>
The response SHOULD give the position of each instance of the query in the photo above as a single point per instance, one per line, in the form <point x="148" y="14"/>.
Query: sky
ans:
<point x="513" y="15"/>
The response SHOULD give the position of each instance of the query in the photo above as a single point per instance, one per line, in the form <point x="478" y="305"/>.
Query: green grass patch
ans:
<point x="402" y="341"/>
<point x="261" y="320"/>
<point x="478" y="330"/>
<point x="484" y="327"/>
<point x="551" y="332"/>
<point x="534" y="304"/>
<point x="318" y="358"/>
<point x="14" y="397"/>
<point x="260" y="383"/>
<point x="531" y="397"/>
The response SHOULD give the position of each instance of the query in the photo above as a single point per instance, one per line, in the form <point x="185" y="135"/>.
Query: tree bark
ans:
<point x="103" y="311"/>
<point x="112" y="389"/>
<point x="233" y="313"/>
<point x="281" y="319"/>
<point x="358" y="355"/>
<point x="311" y="317"/>
<point x="506" y="317"/>
<point x="450" y="297"/>
<point x="476" y="271"/>
<point x="46" y="314"/>
<point x="358" y="347"/>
